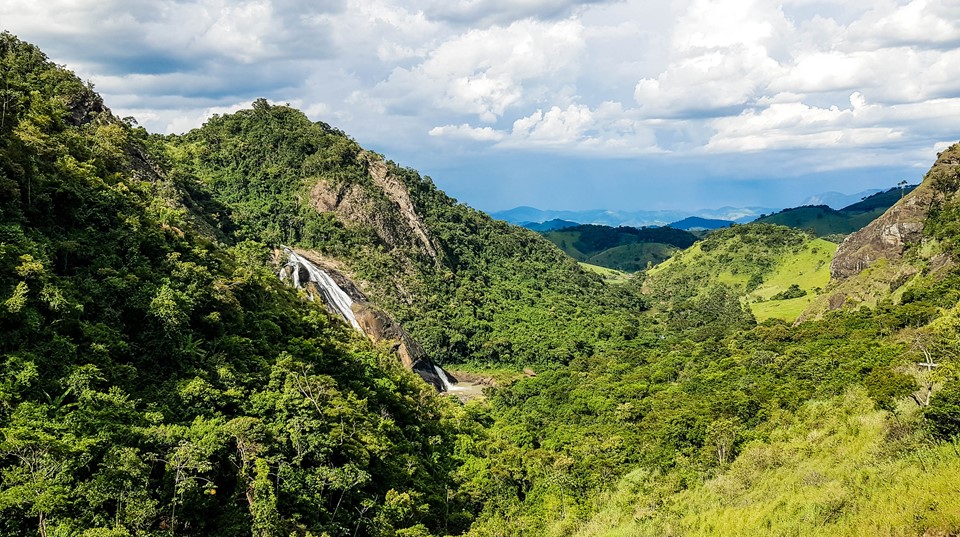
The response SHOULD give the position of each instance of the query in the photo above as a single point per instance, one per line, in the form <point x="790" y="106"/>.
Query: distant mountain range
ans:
<point x="823" y="220"/>
<point x="526" y="215"/>
<point x="698" y="223"/>
<point x="836" y="200"/>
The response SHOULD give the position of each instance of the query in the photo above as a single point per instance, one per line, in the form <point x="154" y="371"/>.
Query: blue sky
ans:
<point x="558" y="104"/>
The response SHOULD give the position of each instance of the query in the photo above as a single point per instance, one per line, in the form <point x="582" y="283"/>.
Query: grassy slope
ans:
<point x="609" y="275"/>
<point x="733" y="262"/>
<point x="840" y="468"/>
<point x="809" y="268"/>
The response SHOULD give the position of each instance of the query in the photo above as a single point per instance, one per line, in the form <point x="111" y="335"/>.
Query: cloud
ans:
<point x="466" y="132"/>
<point x="556" y="126"/>
<point x="486" y="72"/>
<point x="503" y="12"/>
<point x="718" y="81"/>
<point x="720" y="60"/>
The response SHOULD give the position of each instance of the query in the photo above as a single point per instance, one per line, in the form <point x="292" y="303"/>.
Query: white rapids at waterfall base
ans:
<point x="447" y="387"/>
<point x="334" y="296"/>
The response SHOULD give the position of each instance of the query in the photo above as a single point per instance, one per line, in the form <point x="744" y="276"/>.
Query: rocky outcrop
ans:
<point x="893" y="252"/>
<point x="886" y="237"/>
<point x="381" y="328"/>
<point x="387" y="208"/>
<point x="398" y="194"/>
<point x="889" y="236"/>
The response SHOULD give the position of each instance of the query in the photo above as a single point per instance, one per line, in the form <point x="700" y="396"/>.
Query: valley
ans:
<point x="259" y="327"/>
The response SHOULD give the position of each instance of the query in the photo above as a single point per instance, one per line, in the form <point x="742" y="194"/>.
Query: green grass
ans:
<point x="838" y="468"/>
<point x="809" y="268"/>
<point x="736" y="259"/>
<point x="609" y="275"/>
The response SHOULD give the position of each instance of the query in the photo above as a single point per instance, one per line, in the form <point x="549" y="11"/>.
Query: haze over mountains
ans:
<point x="530" y="215"/>
<point x="640" y="218"/>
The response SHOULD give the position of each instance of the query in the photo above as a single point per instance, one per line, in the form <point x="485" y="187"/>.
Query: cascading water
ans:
<point x="302" y="273"/>
<point x="333" y="294"/>
<point x="447" y="387"/>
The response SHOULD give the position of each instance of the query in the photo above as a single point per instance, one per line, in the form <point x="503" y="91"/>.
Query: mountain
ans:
<point x="157" y="377"/>
<point x="823" y="220"/>
<point x="526" y="215"/>
<point x="466" y="287"/>
<point x="550" y="225"/>
<point x="698" y="223"/>
<point x="836" y="200"/>
<point x="621" y="248"/>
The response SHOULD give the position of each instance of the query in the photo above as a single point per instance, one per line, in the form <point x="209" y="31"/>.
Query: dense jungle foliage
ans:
<point x="158" y="380"/>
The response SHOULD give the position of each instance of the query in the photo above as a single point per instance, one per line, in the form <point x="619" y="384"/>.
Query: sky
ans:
<point x="556" y="104"/>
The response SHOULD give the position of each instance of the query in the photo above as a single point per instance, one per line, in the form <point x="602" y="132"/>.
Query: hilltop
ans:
<point x="824" y="221"/>
<point x="622" y="248"/>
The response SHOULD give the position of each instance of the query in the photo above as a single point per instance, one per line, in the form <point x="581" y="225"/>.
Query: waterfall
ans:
<point x="447" y="387"/>
<point x="335" y="297"/>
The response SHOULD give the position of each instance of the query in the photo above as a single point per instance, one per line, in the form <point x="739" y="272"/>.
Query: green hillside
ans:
<point x="622" y="248"/>
<point x="467" y="287"/>
<point x="823" y="221"/>
<point x="846" y="482"/>
<point x="758" y="262"/>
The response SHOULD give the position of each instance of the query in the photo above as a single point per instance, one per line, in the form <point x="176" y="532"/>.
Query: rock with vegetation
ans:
<point x="909" y="245"/>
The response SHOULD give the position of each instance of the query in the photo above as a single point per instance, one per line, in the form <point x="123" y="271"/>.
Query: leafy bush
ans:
<point x="943" y="414"/>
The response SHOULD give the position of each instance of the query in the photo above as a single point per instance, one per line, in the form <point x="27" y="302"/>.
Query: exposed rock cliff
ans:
<point x="886" y="237"/>
<point x="881" y="259"/>
<point x="387" y="207"/>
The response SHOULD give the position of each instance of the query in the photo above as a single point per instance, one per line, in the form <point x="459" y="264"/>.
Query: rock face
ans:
<point x="380" y="327"/>
<point x="902" y="225"/>
<point x="889" y="253"/>
<point x="884" y="238"/>
<point x="387" y="208"/>
<point x="343" y="298"/>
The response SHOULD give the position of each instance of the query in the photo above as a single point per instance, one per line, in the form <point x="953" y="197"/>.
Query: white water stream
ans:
<point x="447" y="387"/>
<point x="334" y="295"/>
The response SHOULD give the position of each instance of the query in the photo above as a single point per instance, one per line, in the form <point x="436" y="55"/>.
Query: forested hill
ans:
<point x="775" y="270"/>
<point x="825" y="222"/>
<point x="622" y="248"/>
<point x="154" y="381"/>
<point x="467" y="287"/>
